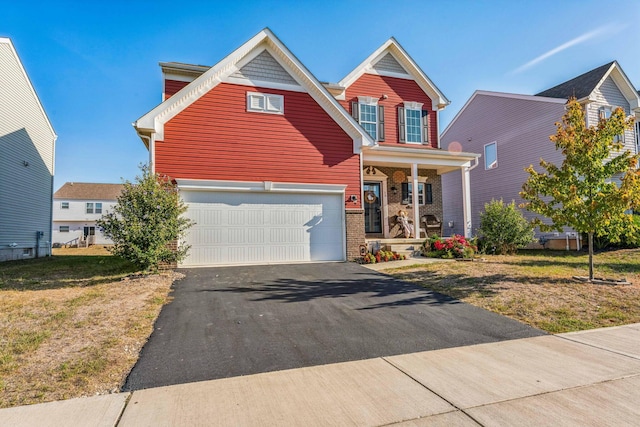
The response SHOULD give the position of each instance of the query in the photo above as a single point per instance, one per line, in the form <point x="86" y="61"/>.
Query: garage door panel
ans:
<point x="244" y="228"/>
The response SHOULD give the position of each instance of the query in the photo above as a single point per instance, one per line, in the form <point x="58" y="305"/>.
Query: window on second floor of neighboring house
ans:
<point x="604" y="113"/>
<point x="64" y="228"/>
<point x="370" y="115"/>
<point x="64" y="205"/>
<point x="92" y="207"/>
<point x="413" y="123"/>
<point x="491" y="155"/>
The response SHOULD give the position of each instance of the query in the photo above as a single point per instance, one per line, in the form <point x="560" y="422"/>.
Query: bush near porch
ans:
<point x="455" y="246"/>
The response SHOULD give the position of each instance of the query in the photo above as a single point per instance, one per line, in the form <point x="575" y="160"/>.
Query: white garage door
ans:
<point x="260" y="228"/>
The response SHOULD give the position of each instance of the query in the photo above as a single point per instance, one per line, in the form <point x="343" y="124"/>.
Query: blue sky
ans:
<point x="95" y="64"/>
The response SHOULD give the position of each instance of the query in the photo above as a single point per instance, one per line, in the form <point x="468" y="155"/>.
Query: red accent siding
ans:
<point x="216" y="138"/>
<point x="172" y="86"/>
<point x="398" y="91"/>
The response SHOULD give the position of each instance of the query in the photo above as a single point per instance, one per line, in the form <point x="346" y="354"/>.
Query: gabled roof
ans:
<point x="583" y="86"/>
<point x="88" y="191"/>
<point x="532" y="98"/>
<point x="23" y="72"/>
<point x="152" y="123"/>
<point x="399" y="57"/>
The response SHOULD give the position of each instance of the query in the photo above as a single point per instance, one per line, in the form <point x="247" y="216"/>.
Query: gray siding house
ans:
<point x="27" y="143"/>
<point x="511" y="132"/>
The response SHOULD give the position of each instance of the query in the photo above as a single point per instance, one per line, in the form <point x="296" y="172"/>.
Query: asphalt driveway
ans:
<point x="231" y="321"/>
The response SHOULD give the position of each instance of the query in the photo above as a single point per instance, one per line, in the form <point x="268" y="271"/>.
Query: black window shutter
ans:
<point x="355" y="110"/>
<point x="425" y="126"/>
<point x="401" y="125"/>
<point x="429" y="195"/>
<point x="405" y="193"/>
<point x="380" y="123"/>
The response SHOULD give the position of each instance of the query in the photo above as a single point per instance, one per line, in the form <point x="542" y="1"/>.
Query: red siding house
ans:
<point x="277" y="167"/>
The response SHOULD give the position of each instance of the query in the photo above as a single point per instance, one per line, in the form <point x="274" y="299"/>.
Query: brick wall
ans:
<point x="355" y="232"/>
<point x="395" y="200"/>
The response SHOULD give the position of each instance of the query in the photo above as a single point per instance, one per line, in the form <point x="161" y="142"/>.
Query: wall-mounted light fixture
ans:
<point x="394" y="190"/>
<point x="25" y="163"/>
<point x="354" y="198"/>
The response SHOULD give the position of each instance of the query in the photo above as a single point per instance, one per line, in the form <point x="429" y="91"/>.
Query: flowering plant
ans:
<point x="455" y="246"/>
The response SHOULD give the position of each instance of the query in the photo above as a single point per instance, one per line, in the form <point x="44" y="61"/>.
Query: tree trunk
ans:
<point x="590" y="256"/>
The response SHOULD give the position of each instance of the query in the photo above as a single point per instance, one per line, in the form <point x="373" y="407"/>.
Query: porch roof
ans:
<point x="441" y="160"/>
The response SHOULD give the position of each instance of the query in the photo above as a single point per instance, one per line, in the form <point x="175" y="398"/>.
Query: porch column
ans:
<point x="466" y="201"/>
<point x="416" y="205"/>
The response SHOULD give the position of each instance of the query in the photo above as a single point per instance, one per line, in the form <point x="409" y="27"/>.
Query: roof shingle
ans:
<point x="88" y="191"/>
<point x="578" y="87"/>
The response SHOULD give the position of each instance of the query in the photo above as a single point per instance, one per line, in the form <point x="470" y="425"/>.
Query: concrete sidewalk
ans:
<point x="581" y="379"/>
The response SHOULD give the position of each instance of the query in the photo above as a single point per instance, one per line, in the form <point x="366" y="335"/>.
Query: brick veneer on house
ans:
<point x="355" y="232"/>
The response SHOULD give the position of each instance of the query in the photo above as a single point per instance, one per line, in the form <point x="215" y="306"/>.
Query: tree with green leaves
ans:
<point x="596" y="185"/>
<point x="147" y="223"/>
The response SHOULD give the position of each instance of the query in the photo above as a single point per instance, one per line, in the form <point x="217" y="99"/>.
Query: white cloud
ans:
<point x="602" y="31"/>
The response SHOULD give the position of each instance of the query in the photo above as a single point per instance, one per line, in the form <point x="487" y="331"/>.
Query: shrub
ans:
<point x="503" y="228"/>
<point x="455" y="246"/>
<point x="382" y="256"/>
<point x="146" y="221"/>
<point x="629" y="238"/>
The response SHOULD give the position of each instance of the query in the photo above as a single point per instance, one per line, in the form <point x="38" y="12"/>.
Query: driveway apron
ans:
<point x="230" y="321"/>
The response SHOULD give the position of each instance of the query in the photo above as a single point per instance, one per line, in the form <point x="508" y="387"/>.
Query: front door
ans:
<point x="372" y="208"/>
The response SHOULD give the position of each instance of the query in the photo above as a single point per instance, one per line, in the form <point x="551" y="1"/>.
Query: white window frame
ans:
<point x="265" y="103"/>
<point x="413" y="106"/>
<point x="64" y="205"/>
<point x="605" y="112"/>
<point x="63" y="229"/>
<point x="493" y="165"/>
<point x="88" y="207"/>
<point x="371" y="102"/>
<point x="97" y="207"/>
<point x="422" y="195"/>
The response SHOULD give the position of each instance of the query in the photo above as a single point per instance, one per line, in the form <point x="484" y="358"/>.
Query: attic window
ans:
<point x="265" y="103"/>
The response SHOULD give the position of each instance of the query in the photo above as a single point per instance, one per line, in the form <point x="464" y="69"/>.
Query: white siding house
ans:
<point x="511" y="132"/>
<point x="76" y="208"/>
<point x="27" y="145"/>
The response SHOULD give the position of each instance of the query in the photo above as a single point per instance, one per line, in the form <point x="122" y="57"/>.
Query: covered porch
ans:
<point x="389" y="179"/>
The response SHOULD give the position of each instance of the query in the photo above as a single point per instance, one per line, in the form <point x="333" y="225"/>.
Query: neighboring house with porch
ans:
<point x="512" y="131"/>
<point x="27" y="149"/>
<point x="275" y="166"/>
<point x="76" y="208"/>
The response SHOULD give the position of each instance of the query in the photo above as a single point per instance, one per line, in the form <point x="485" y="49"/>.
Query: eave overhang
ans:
<point x="441" y="160"/>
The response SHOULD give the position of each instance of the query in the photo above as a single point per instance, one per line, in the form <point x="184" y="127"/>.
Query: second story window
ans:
<point x="604" y="113"/>
<point x="64" y="205"/>
<point x="413" y="123"/>
<point x="89" y="208"/>
<point x="370" y="115"/>
<point x="98" y="209"/>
